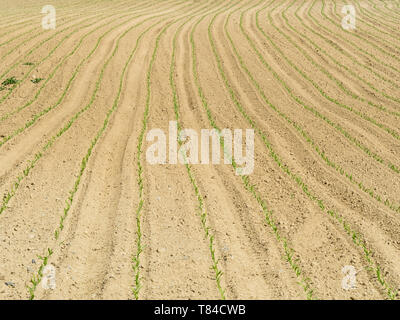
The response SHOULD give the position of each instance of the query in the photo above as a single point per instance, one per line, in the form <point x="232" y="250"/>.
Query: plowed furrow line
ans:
<point x="28" y="10"/>
<point x="26" y="76"/>
<point x="315" y="112"/>
<point x="358" y="51"/>
<point x="11" y="193"/>
<point x="95" y="14"/>
<point x="339" y="49"/>
<point x="136" y="261"/>
<point x="384" y="16"/>
<point x="344" y="67"/>
<point x="202" y="212"/>
<point x="305" y="135"/>
<point x="53" y="72"/>
<point x="356" y="237"/>
<point x="349" y="42"/>
<point x="339" y="84"/>
<point x="36" y="21"/>
<point x="67" y="16"/>
<point x="376" y="45"/>
<point x="36" y="279"/>
<point x="378" y="38"/>
<point x="378" y="23"/>
<point x="290" y="255"/>
<point x="73" y="18"/>
<point x="37" y="116"/>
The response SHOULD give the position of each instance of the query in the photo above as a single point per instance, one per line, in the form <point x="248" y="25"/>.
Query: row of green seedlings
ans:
<point x="351" y="43"/>
<point x="329" y="98"/>
<point x="318" y="114"/>
<point x="37" y="116"/>
<point x="389" y="44"/>
<point x="40" y="44"/>
<point x="376" y="157"/>
<point x="57" y="67"/>
<point x="336" y="126"/>
<point x="381" y="32"/>
<point x="200" y="199"/>
<point x="307" y="137"/>
<point x="386" y="14"/>
<point x="80" y="27"/>
<point x="31" y="164"/>
<point x="290" y="255"/>
<point x="391" y="10"/>
<point x="339" y="83"/>
<point x="386" y="201"/>
<point x="81" y="13"/>
<point x="336" y="47"/>
<point x="374" y="27"/>
<point x="139" y="246"/>
<point x="85" y="159"/>
<point x="363" y="39"/>
<point x="342" y="66"/>
<point x="83" y="9"/>
<point x="356" y="237"/>
<point x="36" y="279"/>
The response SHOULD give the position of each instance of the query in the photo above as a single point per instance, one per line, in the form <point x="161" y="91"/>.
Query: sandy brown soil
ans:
<point x="80" y="199"/>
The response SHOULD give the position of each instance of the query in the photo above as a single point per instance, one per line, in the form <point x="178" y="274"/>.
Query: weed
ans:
<point x="36" y="80"/>
<point x="9" y="81"/>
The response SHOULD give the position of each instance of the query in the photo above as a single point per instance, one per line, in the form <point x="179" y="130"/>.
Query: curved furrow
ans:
<point x="37" y="278"/>
<point x="290" y="255"/>
<point x="136" y="260"/>
<point x="354" y="235"/>
<point x="43" y="112"/>
<point x="388" y="43"/>
<point x="307" y="137"/>
<point x="376" y="156"/>
<point x="377" y="24"/>
<point x="36" y="19"/>
<point x="353" y="45"/>
<point x="238" y="244"/>
<point x="339" y="49"/>
<point x="202" y="211"/>
<point x="387" y="221"/>
<point x="362" y="40"/>
<point x="347" y="70"/>
<point x="15" y="186"/>
<point x="383" y="15"/>
<point x="338" y="82"/>
<point x="50" y="76"/>
<point x="377" y="31"/>
<point x="99" y="88"/>
<point x="50" y="53"/>
<point x="36" y="34"/>
<point x="374" y="44"/>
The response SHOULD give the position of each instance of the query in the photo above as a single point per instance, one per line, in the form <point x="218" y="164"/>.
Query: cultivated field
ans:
<point x="84" y="215"/>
